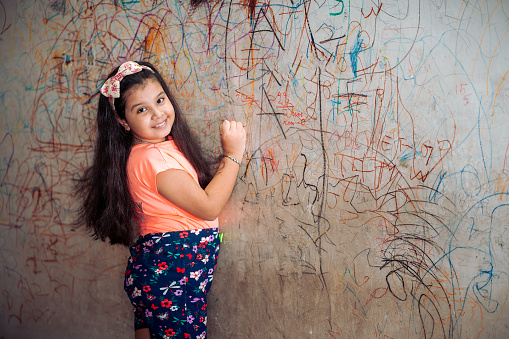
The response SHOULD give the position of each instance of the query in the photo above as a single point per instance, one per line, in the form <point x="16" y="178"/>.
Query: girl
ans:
<point x="150" y="188"/>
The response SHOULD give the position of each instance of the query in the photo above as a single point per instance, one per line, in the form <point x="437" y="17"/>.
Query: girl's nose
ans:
<point x="157" y="113"/>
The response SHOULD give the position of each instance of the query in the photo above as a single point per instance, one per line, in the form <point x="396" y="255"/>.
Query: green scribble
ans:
<point x="342" y="8"/>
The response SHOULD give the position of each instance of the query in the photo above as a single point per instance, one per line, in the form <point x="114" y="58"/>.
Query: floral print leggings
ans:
<point x="167" y="279"/>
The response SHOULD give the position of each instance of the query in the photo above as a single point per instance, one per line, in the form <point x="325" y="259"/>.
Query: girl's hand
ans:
<point x="233" y="138"/>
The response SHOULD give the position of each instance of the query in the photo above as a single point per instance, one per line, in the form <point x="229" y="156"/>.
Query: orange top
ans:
<point x="159" y="215"/>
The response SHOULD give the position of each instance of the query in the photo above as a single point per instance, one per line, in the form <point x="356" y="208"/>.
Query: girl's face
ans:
<point x="149" y="113"/>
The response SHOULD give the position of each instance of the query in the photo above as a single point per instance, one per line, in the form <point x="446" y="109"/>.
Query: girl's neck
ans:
<point x="139" y="141"/>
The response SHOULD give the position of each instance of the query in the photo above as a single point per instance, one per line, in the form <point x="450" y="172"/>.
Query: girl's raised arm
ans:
<point x="179" y="188"/>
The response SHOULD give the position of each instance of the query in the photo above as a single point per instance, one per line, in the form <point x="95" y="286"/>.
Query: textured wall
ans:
<point x="373" y="199"/>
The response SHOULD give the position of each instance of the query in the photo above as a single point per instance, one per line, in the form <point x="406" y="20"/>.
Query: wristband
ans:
<point x="232" y="158"/>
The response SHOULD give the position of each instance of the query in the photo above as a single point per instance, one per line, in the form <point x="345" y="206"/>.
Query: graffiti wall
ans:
<point x="373" y="199"/>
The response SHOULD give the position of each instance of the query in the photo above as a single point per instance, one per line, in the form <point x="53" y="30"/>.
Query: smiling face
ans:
<point x="149" y="113"/>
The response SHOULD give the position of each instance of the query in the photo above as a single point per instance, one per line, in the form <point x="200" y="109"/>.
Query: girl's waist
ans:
<point x="184" y="238"/>
<point x="173" y="223"/>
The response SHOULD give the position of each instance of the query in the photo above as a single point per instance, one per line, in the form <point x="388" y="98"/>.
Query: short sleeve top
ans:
<point x="158" y="214"/>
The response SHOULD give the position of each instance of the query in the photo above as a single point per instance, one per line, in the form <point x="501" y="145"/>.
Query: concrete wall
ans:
<point x="373" y="197"/>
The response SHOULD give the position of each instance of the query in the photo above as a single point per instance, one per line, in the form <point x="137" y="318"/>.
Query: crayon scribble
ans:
<point x="373" y="200"/>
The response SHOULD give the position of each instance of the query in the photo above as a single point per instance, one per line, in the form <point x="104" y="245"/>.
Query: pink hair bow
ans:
<point x="111" y="87"/>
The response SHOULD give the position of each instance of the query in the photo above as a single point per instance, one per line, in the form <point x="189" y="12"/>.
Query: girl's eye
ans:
<point x="160" y="100"/>
<point x="141" y="110"/>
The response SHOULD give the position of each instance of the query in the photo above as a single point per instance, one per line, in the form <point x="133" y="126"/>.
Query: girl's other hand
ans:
<point x="233" y="138"/>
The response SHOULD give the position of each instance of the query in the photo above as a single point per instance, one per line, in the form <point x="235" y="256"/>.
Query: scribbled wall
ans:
<point x="373" y="199"/>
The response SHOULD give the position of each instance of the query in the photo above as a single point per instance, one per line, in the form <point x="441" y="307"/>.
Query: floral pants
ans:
<point x="167" y="279"/>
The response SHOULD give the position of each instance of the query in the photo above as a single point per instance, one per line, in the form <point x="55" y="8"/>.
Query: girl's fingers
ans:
<point x="225" y="125"/>
<point x="233" y="138"/>
<point x="231" y="126"/>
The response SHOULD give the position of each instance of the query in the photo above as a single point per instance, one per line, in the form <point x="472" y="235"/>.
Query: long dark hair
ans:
<point x="107" y="209"/>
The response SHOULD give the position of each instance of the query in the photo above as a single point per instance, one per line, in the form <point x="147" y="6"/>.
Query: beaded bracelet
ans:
<point x="229" y="156"/>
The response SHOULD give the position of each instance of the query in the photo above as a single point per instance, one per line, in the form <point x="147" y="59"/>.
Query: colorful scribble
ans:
<point x="374" y="198"/>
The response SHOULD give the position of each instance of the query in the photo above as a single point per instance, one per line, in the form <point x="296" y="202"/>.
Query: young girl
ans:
<point x="150" y="188"/>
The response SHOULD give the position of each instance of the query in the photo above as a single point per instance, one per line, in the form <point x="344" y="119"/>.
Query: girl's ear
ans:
<point x="124" y="124"/>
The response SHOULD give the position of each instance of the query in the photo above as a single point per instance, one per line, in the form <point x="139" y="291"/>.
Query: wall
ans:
<point x="373" y="197"/>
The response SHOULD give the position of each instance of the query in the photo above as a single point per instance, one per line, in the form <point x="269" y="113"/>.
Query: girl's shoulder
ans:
<point x="156" y="158"/>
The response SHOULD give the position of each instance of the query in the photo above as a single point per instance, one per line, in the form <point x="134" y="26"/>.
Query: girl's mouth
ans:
<point x="162" y="124"/>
